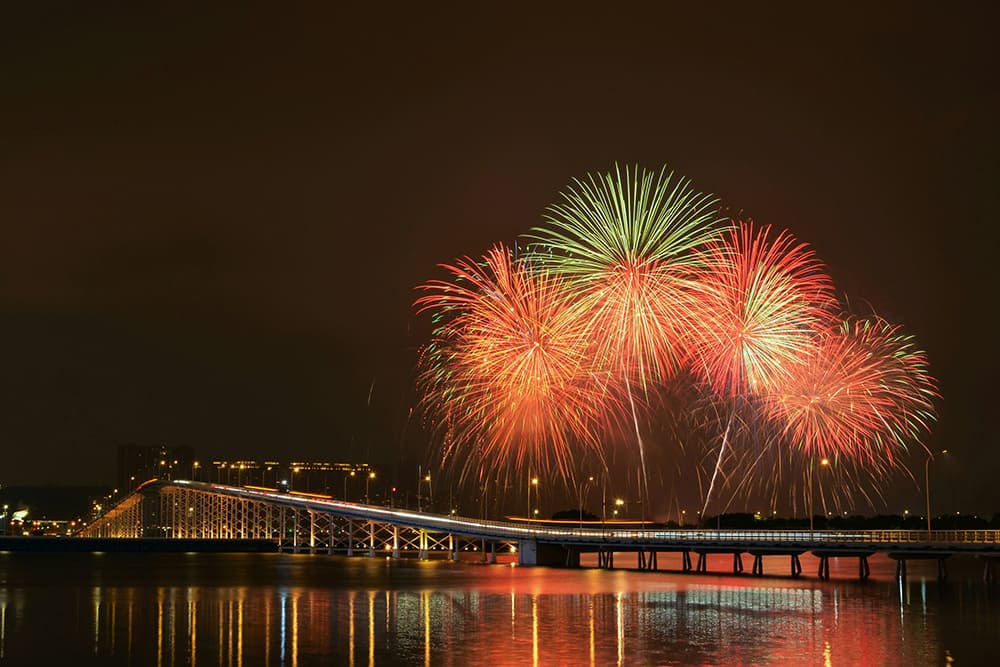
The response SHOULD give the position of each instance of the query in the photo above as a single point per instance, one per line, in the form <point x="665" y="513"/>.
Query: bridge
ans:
<point x="314" y="523"/>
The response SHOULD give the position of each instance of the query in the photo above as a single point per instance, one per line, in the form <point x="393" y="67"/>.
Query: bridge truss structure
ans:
<point x="299" y="523"/>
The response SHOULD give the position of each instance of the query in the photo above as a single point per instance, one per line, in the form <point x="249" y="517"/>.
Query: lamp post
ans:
<point x="823" y="462"/>
<point x="580" y="496"/>
<point x="370" y="477"/>
<point x="430" y="493"/>
<point x="604" y="500"/>
<point x="927" y="486"/>
<point x="346" y="477"/>
<point x="619" y="503"/>
<point x="532" y="482"/>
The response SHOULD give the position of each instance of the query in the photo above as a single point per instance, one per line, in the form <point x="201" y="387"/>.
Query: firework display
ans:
<point x="633" y="284"/>
<point x="506" y="370"/>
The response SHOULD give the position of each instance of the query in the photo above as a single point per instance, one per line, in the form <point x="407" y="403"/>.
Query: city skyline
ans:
<point x="215" y="228"/>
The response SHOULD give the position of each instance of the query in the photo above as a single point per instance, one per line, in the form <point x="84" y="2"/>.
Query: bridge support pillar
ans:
<point x="758" y="565"/>
<point x="824" y="568"/>
<point x="453" y="547"/>
<point x="606" y="559"/>
<point x="330" y="536"/>
<point x="902" y="557"/>
<point x="350" y="537"/>
<point x="737" y="562"/>
<point x="422" y="553"/>
<point x="647" y="559"/>
<point x="527" y="552"/>
<point x="530" y="552"/>
<point x="863" y="570"/>
<point x="686" y="560"/>
<point x="702" y="562"/>
<point x="371" y="538"/>
<point x="796" y="565"/>
<point x="395" y="541"/>
<point x="493" y="553"/>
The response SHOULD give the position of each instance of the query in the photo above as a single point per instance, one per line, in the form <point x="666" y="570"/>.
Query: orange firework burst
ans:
<point x="863" y="393"/>
<point x="506" y="371"/>
<point x="762" y="298"/>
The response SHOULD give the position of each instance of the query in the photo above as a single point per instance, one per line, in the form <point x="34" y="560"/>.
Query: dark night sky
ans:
<point x="213" y="223"/>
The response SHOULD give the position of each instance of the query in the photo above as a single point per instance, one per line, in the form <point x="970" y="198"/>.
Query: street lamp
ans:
<point x="580" y="495"/>
<point x="370" y="477"/>
<point x="430" y="493"/>
<point x="823" y="462"/>
<point x="345" y="485"/>
<point x="927" y="485"/>
<point x="532" y="482"/>
<point x="619" y="503"/>
<point x="604" y="500"/>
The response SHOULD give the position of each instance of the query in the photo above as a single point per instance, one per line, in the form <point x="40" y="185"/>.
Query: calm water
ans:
<point x="274" y="609"/>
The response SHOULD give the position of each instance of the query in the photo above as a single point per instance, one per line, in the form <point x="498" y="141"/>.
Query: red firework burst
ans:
<point x="864" y="393"/>
<point x="761" y="299"/>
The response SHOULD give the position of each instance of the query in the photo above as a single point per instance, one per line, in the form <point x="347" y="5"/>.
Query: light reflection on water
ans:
<point x="271" y="609"/>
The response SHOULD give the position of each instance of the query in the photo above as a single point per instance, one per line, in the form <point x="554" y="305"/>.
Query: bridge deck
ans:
<point x="595" y="537"/>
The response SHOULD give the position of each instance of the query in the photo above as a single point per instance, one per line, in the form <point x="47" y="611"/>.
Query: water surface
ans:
<point x="284" y="609"/>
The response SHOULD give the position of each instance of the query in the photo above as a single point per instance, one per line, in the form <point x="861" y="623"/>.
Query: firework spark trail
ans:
<point x="718" y="462"/>
<point x="623" y="241"/>
<point x="506" y="368"/>
<point x="863" y="394"/>
<point x="762" y="298"/>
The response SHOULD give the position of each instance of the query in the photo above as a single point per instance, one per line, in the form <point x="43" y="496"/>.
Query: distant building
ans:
<point x="138" y="463"/>
<point x="341" y="480"/>
<point x="242" y="473"/>
<point x="352" y="481"/>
